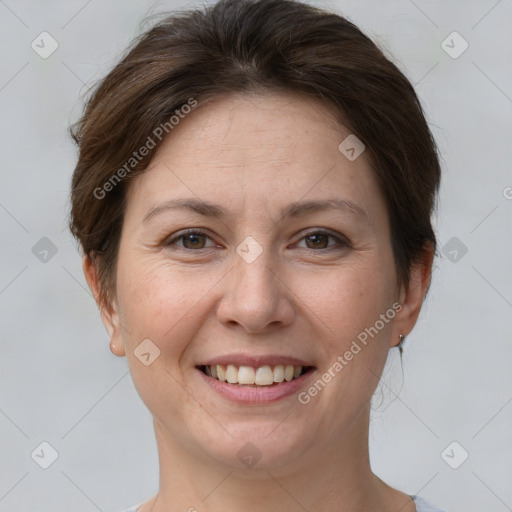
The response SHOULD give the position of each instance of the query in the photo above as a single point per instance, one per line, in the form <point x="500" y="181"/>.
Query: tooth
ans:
<point x="264" y="376"/>
<point x="221" y="373"/>
<point x="279" y="373"/>
<point x="232" y="374"/>
<point x="288" y="372"/>
<point x="246" y="375"/>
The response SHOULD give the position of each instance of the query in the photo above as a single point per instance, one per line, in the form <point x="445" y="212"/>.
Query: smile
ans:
<point x="255" y="380"/>
<point x="254" y="376"/>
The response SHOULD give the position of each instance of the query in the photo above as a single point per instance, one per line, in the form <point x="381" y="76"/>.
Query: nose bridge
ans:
<point x="254" y="297"/>
<point x="252" y="273"/>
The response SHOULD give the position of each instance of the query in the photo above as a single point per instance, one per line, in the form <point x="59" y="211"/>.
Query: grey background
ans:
<point x="59" y="382"/>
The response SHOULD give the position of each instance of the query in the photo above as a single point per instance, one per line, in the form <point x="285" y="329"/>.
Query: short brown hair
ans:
<point x="238" y="46"/>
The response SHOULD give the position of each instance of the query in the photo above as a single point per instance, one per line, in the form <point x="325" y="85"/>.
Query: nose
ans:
<point x="256" y="296"/>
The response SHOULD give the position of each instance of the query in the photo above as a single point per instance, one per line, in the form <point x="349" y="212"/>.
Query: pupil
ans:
<point x="316" y="238"/>
<point x="193" y="239"/>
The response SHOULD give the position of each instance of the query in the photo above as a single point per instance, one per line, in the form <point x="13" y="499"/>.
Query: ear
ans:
<point x="411" y="297"/>
<point x="109" y="313"/>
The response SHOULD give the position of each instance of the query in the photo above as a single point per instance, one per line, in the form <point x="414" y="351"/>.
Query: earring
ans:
<point x="401" y="343"/>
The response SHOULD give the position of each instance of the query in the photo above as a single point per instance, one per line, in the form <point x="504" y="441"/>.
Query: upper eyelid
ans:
<point x="186" y="232"/>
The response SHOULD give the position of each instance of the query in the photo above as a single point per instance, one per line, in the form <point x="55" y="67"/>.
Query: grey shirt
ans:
<point x="421" y="506"/>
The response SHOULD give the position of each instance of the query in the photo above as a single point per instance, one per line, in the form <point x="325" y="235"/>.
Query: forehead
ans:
<point x="253" y="150"/>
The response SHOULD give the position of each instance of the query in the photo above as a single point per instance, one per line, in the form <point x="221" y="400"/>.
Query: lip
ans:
<point x="256" y="395"/>
<point x="255" y="361"/>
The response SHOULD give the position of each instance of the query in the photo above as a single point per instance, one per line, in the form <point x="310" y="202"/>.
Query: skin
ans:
<point x="197" y="298"/>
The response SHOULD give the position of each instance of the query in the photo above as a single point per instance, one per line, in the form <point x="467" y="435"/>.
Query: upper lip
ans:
<point x="255" y="361"/>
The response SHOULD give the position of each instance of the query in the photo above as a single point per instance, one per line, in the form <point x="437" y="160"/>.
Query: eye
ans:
<point x="192" y="239"/>
<point x="319" y="240"/>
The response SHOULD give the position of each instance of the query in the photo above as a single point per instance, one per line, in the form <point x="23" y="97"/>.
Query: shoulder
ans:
<point x="421" y="505"/>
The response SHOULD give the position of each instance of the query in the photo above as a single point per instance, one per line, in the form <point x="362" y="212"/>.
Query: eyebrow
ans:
<point x="294" y="210"/>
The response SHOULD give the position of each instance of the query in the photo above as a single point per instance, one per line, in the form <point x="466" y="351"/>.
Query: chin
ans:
<point x="257" y="445"/>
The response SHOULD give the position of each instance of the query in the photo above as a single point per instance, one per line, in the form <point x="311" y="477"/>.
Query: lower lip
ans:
<point x="251" y="395"/>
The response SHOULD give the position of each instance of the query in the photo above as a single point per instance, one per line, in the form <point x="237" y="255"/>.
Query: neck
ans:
<point x="331" y="477"/>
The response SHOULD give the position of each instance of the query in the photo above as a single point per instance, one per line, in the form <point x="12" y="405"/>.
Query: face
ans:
<point x="288" y="264"/>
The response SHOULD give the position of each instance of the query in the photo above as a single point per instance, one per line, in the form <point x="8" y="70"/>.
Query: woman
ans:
<point x="253" y="198"/>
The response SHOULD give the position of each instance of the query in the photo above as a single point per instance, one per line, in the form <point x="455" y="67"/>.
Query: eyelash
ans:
<point x="171" y="241"/>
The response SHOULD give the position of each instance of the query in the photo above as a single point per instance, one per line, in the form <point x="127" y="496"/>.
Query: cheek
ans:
<point x="161" y="302"/>
<point x="158" y="303"/>
<point x="355" y="307"/>
<point x="350" y="299"/>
